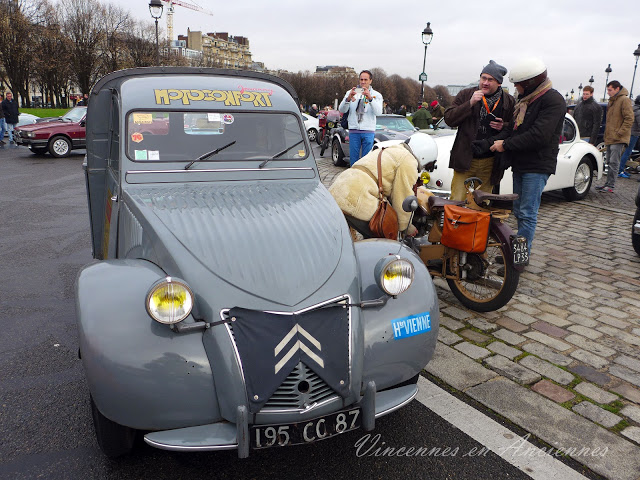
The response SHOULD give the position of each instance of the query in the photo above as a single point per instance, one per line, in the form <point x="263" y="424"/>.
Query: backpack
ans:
<point x="344" y="121"/>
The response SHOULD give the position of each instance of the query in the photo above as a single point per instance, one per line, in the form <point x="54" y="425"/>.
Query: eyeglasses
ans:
<point x="485" y="78"/>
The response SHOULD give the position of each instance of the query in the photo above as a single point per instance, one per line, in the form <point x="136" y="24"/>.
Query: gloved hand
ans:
<point x="480" y="148"/>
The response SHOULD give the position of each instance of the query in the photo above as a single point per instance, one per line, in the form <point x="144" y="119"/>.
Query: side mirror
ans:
<point x="410" y="204"/>
<point x="83" y="122"/>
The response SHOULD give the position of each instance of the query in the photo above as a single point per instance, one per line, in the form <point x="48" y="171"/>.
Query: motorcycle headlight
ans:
<point x="169" y="301"/>
<point x="394" y="275"/>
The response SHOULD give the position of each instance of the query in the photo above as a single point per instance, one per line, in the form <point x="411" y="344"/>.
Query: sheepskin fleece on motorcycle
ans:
<point x="356" y="189"/>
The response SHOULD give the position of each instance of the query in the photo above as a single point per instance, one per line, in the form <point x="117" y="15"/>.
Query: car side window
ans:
<point x="568" y="132"/>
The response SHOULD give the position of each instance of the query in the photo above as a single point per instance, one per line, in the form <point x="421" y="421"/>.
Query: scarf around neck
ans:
<point x="521" y="105"/>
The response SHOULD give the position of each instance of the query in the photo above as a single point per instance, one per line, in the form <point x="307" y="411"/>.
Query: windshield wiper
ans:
<point x="279" y="154"/>
<point x="209" y="154"/>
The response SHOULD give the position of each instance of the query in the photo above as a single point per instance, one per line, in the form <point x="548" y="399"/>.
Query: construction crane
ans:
<point x="171" y="3"/>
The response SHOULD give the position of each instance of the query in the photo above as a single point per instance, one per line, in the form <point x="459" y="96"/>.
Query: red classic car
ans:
<point x="58" y="136"/>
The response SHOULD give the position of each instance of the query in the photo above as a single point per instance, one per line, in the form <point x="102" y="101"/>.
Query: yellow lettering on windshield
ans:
<point x="233" y="98"/>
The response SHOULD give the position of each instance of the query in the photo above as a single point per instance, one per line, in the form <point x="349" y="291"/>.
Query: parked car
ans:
<point x="58" y="136"/>
<point x="311" y="124"/>
<point x="635" y="226"/>
<point x="24" y="119"/>
<point x="388" y="127"/>
<point x="230" y="308"/>
<point x="578" y="161"/>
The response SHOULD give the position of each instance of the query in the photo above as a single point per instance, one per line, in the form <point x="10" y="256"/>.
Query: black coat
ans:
<point x="10" y="110"/>
<point x="588" y="115"/>
<point x="533" y="147"/>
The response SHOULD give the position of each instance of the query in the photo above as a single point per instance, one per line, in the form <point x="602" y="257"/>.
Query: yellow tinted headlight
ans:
<point x="395" y="275"/>
<point x="169" y="301"/>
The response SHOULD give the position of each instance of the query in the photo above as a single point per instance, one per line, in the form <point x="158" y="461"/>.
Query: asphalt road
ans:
<point x="45" y="421"/>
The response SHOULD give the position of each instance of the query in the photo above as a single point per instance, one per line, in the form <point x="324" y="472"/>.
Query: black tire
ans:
<point x="60" y="146"/>
<point x="582" y="179"/>
<point x="114" y="440"/>
<point x="38" y="150"/>
<point x="312" y="133"/>
<point x="337" y="155"/>
<point x="319" y="137"/>
<point x="486" y="288"/>
<point x="635" y="238"/>
<point x="324" y="144"/>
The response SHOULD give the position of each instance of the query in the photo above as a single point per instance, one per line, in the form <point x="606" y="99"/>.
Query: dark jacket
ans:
<point x="467" y="118"/>
<point x="635" y="128"/>
<point x="421" y="119"/>
<point x="533" y="147"/>
<point x="588" y="115"/>
<point x="10" y="110"/>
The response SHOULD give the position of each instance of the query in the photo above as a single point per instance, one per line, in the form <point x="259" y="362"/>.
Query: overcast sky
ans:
<point x="576" y="39"/>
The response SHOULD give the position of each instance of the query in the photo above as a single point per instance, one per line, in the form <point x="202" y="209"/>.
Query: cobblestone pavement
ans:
<point x="562" y="358"/>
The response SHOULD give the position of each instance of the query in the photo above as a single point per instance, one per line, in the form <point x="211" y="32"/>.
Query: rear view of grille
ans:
<point x="301" y="388"/>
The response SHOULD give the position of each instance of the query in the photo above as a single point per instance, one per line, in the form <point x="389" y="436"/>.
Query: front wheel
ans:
<point x="114" y="440"/>
<point x="489" y="283"/>
<point x="337" y="155"/>
<point x="582" y="179"/>
<point x="635" y="237"/>
<point x="60" y="146"/>
<point x="38" y="150"/>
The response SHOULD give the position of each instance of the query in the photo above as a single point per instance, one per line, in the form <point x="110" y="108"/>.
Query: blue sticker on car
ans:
<point x="412" y="325"/>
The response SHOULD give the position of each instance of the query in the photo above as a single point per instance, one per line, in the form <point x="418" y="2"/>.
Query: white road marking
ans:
<point x="514" y="449"/>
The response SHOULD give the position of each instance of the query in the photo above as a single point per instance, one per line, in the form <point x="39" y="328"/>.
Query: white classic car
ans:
<point x="577" y="162"/>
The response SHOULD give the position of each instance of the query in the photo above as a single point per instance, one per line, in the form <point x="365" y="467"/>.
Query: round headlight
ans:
<point x="169" y="301"/>
<point x="395" y="275"/>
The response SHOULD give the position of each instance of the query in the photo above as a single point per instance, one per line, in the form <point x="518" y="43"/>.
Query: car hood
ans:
<point x="394" y="134"/>
<point x="278" y="241"/>
<point x="44" y="125"/>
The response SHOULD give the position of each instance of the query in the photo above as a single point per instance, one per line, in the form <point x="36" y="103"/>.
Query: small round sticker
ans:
<point x="227" y="118"/>
<point x="136" y="137"/>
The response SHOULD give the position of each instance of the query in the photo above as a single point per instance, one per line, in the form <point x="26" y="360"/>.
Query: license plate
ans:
<point x="520" y="251"/>
<point x="265" y="436"/>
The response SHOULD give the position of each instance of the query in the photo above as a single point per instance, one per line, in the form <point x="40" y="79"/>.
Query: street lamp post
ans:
<point x="607" y="71"/>
<point x="591" y="80"/>
<point x="572" y="92"/>
<point x="637" y="55"/>
<point x="427" y="36"/>
<point x="580" y="91"/>
<point x="155" y="7"/>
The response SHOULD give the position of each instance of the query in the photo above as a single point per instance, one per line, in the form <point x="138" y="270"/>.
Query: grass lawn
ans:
<point x="45" y="112"/>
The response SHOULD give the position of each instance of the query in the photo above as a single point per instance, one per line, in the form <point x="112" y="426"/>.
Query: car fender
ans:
<point x="389" y="360"/>
<point x="140" y="373"/>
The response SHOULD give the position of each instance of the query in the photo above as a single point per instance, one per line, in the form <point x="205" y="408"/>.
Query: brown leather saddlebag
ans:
<point x="465" y="229"/>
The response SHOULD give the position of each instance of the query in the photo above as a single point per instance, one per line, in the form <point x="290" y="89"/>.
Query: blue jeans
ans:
<point x="627" y="153"/>
<point x="3" y="128"/>
<point x="10" y="127"/>
<point x="529" y="188"/>
<point x="358" y="140"/>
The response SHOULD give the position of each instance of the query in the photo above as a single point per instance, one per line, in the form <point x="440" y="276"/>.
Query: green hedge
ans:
<point x="45" y="112"/>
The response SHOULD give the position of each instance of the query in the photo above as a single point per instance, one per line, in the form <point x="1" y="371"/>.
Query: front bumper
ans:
<point x="30" y="142"/>
<point x="230" y="436"/>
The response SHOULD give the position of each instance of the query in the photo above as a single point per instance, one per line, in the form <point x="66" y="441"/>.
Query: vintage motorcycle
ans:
<point x="483" y="280"/>
<point x="328" y="122"/>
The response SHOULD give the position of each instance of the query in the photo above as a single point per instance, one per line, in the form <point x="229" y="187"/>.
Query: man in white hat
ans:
<point x="532" y="145"/>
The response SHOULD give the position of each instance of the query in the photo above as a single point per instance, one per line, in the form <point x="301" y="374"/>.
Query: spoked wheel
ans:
<point x="488" y="285"/>
<point x="635" y="238"/>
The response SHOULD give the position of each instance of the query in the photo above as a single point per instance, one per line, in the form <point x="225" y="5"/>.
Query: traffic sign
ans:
<point x="422" y="77"/>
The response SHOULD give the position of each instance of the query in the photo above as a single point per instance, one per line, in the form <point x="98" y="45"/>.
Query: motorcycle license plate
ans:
<point x="520" y="251"/>
<point x="265" y="436"/>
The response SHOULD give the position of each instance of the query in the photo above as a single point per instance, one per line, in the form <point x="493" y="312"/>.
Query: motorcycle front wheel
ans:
<point x="489" y="283"/>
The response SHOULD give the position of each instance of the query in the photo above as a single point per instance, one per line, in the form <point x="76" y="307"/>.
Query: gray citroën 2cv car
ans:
<point x="230" y="308"/>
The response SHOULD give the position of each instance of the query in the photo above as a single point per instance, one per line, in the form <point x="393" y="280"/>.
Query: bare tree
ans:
<point x="82" y="24"/>
<point x="114" y="25"/>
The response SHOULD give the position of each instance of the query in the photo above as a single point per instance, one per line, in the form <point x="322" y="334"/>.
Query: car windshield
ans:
<point x="75" y="114"/>
<point x="186" y="136"/>
<point x="399" y="124"/>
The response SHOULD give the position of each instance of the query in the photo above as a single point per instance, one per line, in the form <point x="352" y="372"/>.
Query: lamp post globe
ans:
<point x="591" y="80"/>
<point x="607" y="71"/>
<point x="637" y="55"/>
<point x="579" y="91"/>
<point x="427" y="36"/>
<point x="155" y="8"/>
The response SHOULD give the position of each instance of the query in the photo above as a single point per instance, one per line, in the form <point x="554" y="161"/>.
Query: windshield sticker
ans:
<point x="140" y="154"/>
<point x="142" y="118"/>
<point x="213" y="117"/>
<point x="227" y="118"/>
<point x="153" y="155"/>
<point x="229" y="97"/>
<point x="412" y="325"/>
<point x="301" y="153"/>
<point x="136" y="137"/>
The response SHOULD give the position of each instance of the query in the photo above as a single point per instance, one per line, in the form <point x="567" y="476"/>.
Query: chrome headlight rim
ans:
<point x="166" y="282"/>
<point x="403" y="267"/>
